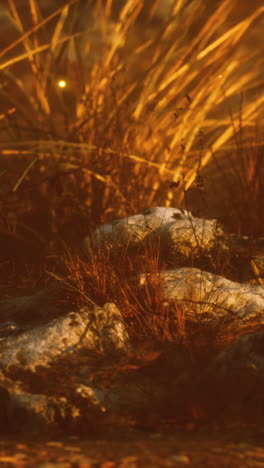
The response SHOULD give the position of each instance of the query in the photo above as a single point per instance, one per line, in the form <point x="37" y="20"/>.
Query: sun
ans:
<point x="62" y="84"/>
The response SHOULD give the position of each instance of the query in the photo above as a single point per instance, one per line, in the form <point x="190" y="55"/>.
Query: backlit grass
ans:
<point x="139" y="94"/>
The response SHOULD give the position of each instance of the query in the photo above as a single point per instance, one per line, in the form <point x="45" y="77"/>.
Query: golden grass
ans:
<point x="129" y="121"/>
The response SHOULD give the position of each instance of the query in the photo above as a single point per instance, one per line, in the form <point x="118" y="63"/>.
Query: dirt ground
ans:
<point x="138" y="449"/>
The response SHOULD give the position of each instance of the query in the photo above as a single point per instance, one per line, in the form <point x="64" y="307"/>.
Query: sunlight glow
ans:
<point x="62" y="83"/>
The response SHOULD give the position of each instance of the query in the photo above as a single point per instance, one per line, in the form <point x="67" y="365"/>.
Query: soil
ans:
<point x="136" y="449"/>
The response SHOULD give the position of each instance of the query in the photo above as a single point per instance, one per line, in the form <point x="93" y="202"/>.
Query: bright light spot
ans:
<point x="62" y="84"/>
<point x="220" y="77"/>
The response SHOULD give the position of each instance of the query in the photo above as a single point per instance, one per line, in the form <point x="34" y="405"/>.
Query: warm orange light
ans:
<point x="62" y="84"/>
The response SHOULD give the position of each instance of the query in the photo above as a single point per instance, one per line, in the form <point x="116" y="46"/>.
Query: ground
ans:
<point x="139" y="449"/>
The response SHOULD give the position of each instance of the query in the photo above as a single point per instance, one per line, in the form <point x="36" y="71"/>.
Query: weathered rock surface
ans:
<point x="32" y="413"/>
<point x="51" y="382"/>
<point x="183" y="240"/>
<point x="24" y="350"/>
<point x="101" y="329"/>
<point x="212" y="298"/>
<point x="179" y="232"/>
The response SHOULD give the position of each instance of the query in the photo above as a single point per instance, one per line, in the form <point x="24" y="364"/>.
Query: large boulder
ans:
<point x="180" y="233"/>
<point x="100" y="329"/>
<point x="211" y="298"/>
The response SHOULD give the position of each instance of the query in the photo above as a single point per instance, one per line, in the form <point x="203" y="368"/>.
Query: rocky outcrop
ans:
<point x="67" y="369"/>
<point x="213" y="298"/>
<point x="179" y="233"/>
<point x="183" y="240"/>
<point x="100" y="330"/>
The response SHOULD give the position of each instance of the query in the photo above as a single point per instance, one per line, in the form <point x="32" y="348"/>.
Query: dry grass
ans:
<point x="109" y="275"/>
<point x="134" y="281"/>
<point x="246" y="190"/>
<point x="129" y="121"/>
<point x="231" y="188"/>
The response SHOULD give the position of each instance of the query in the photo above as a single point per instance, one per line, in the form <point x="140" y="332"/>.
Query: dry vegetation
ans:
<point x="108" y="108"/>
<point x="133" y="279"/>
<point x="148" y="102"/>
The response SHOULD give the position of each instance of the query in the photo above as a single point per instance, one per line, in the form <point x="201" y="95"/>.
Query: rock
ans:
<point x="94" y="395"/>
<point x="31" y="413"/>
<point x="183" y="240"/>
<point x="40" y="414"/>
<point x="216" y="299"/>
<point x="131" y="230"/>
<point x="42" y="343"/>
<point x="189" y="237"/>
<point x="257" y="265"/>
<point x="180" y="233"/>
<point x="9" y="328"/>
<point x="101" y="329"/>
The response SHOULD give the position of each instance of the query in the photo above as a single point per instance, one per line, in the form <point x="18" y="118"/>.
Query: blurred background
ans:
<point x="110" y="107"/>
